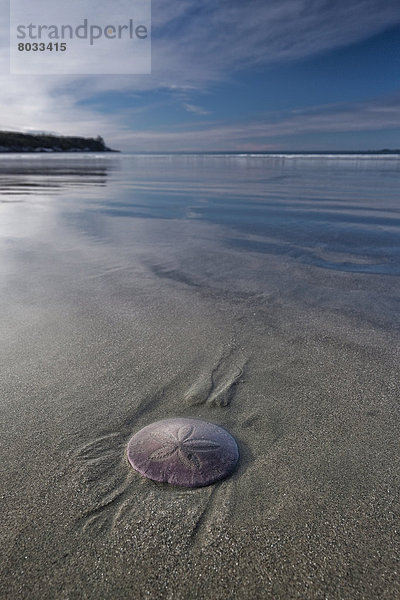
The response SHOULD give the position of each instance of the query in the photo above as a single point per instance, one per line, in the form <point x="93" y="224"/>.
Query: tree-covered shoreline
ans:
<point x="12" y="141"/>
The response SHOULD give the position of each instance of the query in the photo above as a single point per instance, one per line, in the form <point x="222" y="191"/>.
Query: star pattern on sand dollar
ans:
<point x="183" y="446"/>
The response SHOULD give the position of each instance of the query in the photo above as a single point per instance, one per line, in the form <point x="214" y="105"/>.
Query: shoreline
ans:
<point x="127" y="299"/>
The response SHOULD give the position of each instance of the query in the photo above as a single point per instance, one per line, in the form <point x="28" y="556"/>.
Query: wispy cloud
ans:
<point x="207" y="40"/>
<point x="263" y="133"/>
<point x="197" y="110"/>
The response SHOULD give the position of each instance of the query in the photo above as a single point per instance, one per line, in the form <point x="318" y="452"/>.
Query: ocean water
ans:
<point x="233" y="224"/>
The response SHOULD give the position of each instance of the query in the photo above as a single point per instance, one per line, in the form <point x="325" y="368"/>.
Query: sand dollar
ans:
<point x="185" y="452"/>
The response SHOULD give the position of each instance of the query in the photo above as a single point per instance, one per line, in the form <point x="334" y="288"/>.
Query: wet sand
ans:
<point x="299" y="363"/>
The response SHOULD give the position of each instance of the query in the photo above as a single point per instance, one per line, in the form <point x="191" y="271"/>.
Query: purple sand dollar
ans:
<point x="186" y="452"/>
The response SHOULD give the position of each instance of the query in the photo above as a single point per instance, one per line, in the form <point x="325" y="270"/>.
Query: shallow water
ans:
<point x="337" y="212"/>
<point x="257" y="292"/>
<point x="226" y="224"/>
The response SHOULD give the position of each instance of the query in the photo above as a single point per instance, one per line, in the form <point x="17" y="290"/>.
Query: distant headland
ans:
<point x="12" y="141"/>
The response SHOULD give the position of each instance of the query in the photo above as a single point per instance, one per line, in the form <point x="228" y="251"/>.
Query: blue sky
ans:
<point x="230" y="75"/>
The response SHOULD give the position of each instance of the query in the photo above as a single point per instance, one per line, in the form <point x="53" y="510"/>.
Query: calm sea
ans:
<point x="313" y="228"/>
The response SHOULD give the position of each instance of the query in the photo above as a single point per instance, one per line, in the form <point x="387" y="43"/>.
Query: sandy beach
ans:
<point x="110" y="322"/>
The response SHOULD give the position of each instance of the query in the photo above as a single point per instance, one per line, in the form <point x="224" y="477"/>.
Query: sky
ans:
<point x="234" y="75"/>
